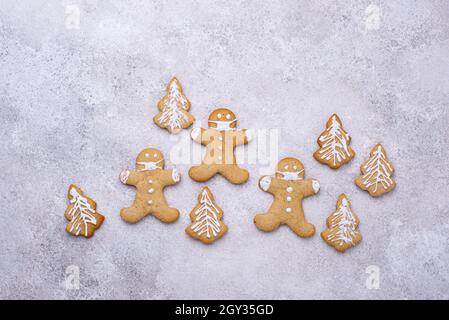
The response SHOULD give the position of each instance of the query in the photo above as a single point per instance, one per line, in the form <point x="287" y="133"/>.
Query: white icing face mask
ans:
<point x="291" y="175"/>
<point x="223" y="125"/>
<point x="149" y="165"/>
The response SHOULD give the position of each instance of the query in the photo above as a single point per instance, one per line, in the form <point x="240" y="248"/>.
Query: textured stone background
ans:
<point x="76" y="106"/>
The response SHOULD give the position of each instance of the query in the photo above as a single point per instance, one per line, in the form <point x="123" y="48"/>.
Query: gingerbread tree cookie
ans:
<point x="377" y="172"/>
<point x="342" y="226"/>
<point x="81" y="213"/>
<point x="334" y="143"/>
<point x="206" y="219"/>
<point x="174" y="107"/>
<point x="288" y="188"/>
<point x="150" y="179"/>
<point x="220" y="139"/>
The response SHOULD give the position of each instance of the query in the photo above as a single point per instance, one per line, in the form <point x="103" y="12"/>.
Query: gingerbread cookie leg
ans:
<point x="301" y="227"/>
<point x="166" y="214"/>
<point x="133" y="214"/>
<point x="234" y="174"/>
<point x="267" y="221"/>
<point x="203" y="172"/>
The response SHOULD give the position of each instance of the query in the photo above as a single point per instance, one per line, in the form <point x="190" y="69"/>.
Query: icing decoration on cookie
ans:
<point x="174" y="107"/>
<point x="377" y="172"/>
<point x="342" y="226"/>
<point x="220" y="138"/>
<point x="150" y="179"/>
<point x="206" y="219"/>
<point x="334" y="143"/>
<point x="288" y="188"/>
<point x="81" y="213"/>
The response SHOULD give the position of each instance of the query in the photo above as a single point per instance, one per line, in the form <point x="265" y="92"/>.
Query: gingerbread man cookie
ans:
<point x="82" y="214"/>
<point x="377" y="172"/>
<point x="288" y="188"/>
<point x="206" y="218"/>
<point x="220" y="140"/>
<point x="174" y="107"/>
<point x="342" y="225"/>
<point x="150" y="179"/>
<point x="334" y="143"/>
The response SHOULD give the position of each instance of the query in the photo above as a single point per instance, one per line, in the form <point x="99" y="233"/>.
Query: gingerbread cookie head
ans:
<point x="290" y="169"/>
<point x="150" y="159"/>
<point x="222" y="119"/>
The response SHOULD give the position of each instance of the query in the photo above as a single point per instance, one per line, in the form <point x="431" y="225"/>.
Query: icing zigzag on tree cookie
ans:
<point x="174" y="107"/>
<point x="377" y="172"/>
<point x="206" y="219"/>
<point x="334" y="145"/>
<point x="82" y="214"/>
<point x="342" y="226"/>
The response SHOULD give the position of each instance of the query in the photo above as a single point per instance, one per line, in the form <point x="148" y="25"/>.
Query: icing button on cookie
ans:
<point x="288" y="210"/>
<point x="289" y="199"/>
<point x="289" y="189"/>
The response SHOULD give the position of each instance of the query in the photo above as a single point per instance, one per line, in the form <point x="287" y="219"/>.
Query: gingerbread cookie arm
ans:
<point x="170" y="177"/>
<point x="130" y="177"/>
<point x="268" y="184"/>
<point x="199" y="136"/>
<point x="311" y="187"/>
<point x="243" y="136"/>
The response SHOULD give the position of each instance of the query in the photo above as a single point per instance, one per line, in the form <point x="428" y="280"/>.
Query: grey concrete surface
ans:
<point x="77" y="104"/>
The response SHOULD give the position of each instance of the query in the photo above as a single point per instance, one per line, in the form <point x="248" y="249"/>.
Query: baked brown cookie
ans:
<point x="288" y="188"/>
<point x="342" y="232"/>
<point x="334" y="143"/>
<point x="174" y="109"/>
<point x="377" y="172"/>
<point x="220" y="140"/>
<point x="150" y="179"/>
<point x="206" y="218"/>
<point x="82" y="214"/>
